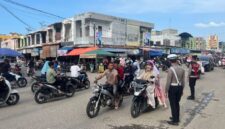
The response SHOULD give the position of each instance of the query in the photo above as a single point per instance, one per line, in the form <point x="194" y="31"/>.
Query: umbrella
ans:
<point x="9" y="52"/>
<point x="96" y="53"/>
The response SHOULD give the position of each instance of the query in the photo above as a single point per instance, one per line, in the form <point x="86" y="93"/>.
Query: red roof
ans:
<point x="78" y="51"/>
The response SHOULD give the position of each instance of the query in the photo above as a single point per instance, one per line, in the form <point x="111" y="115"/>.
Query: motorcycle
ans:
<point x="18" y="80"/>
<point x="7" y="94"/>
<point x="37" y="84"/>
<point x="103" y="96"/>
<point x="47" y="91"/>
<point x="82" y="81"/>
<point x="139" y="102"/>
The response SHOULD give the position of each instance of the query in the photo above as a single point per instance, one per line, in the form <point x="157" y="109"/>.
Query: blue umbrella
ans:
<point x="9" y="52"/>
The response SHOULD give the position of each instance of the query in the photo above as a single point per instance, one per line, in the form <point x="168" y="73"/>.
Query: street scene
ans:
<point x="112" y="64"/>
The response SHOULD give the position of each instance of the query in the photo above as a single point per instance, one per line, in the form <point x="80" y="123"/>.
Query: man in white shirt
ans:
<point x="74" y="69"/>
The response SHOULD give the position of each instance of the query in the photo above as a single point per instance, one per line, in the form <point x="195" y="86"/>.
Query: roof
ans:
<point x="79" y="51"/>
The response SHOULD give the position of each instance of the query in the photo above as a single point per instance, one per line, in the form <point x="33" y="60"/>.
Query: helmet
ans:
<point x="128" y="62"/>
<point x="172" y="56"/>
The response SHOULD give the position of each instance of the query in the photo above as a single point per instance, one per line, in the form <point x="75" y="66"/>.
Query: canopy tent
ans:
<point x="96" y="53"/>
<point x="9" y="52"/>
<point x="79" y="51"/>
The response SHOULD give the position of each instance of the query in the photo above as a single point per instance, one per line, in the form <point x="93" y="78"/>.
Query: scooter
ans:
<point x="139" y="102"/>
<point x="7" y="94"/>
<point x="18" y="80"/>
<point x="82" y="81"/>
<point x="48" y="92"/>
<point x="103" y="96"/>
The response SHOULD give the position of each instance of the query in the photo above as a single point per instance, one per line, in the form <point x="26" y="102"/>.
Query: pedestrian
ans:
<point x="174" y="88"/>
<point x="193" y="75"/>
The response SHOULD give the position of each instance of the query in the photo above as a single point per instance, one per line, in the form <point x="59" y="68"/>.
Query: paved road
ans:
<point x="71" y="113"/>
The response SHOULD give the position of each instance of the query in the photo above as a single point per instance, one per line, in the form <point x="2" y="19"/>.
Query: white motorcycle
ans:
<point x="19" y="80"/>
<point x="7" y="94"/>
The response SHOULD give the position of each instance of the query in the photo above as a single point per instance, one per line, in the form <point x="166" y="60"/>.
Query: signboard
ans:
<point x="88" y="56"/>
<point x="179" y="51"/>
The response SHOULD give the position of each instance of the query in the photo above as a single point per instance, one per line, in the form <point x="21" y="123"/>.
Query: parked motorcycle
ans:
<point x="82" y="81"/>
<point x="140" y="99"/>
<point x="37" y="84"/>
<point x="18" y="80"/>
<point x="48" y="92"/>
<point x="7" y="94"/>
<point x="103" y="96"/>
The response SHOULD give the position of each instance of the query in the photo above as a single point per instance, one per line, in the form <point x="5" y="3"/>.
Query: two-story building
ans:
<point x="84" y="30"/>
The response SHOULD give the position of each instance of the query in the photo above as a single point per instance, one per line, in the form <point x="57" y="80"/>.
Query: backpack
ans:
<point x="195" y="69"/>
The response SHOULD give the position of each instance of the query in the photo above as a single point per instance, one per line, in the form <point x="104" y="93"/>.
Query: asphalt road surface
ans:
<point x="70" y="113"/>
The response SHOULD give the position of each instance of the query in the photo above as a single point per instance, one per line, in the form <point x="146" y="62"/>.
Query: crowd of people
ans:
<point x="121" y="69"/>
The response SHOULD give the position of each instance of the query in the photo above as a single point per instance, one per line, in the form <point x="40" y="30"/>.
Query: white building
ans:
<point x="167" y="37"/>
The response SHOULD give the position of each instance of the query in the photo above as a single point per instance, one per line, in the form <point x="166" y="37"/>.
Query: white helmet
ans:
<point x="172" y="56"/>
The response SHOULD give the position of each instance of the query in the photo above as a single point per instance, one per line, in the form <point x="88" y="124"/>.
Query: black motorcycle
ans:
<point x="139" y="102"/>
<point x="81" y="81"/>
<point x="103" y="96"/>
<point x="48" y="92"/>
<point x="38" y="80"/>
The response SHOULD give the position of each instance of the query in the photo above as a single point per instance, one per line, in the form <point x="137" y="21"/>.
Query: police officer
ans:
<point x="193" y="75"/>
<point x="174" y="88"/>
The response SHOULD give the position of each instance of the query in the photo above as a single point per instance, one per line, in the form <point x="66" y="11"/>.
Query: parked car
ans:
<point x="207" y="63"/>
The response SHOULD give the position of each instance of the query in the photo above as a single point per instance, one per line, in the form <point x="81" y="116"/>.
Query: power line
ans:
<point x="28" y="7"/>
<point x="14" y="15"/>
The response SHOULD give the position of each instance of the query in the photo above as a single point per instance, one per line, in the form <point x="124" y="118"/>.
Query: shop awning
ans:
<point x="79" y="51"/>
<point x="96" y="53"/>
<point x="115" y="50"/>
<point x="64" y="50"/>
<point x="155" y="53"/>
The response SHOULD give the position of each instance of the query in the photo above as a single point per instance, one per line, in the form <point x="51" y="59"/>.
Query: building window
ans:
<point x="87" y="31"/>
<point x="158" y="43"/>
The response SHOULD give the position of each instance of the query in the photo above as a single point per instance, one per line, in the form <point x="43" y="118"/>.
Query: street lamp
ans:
<point x="94" y="34"/>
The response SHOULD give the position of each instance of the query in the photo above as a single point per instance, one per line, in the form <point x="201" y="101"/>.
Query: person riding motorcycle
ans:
<point x="111" y="81"/>
<point x="51" y="76"/>
<point x="147" y="76"/>
<point x="128" y="72"/>
<point x="5" y="69"/>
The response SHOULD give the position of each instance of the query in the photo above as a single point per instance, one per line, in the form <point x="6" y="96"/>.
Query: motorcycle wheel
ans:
<point x="135" y="109"/>
<point x="92" y="110"/>
<point x="13" y="99"/>
<point x="87" y="84"/>
<point x="34" y="87"/>
<point x="71" y="91"/>
<point x="40" y="97"/>
<point x="22" y="82"/>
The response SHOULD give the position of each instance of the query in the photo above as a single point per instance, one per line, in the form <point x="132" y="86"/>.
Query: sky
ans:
<point x="198" y="17"/>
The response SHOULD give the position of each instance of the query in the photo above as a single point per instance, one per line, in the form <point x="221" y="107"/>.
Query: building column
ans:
<point x="74" y="31"/>
<point x="40" y="36"/>
<point x="83" y="28"/>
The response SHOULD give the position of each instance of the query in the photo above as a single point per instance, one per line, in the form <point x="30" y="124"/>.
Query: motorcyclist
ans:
<point x="5" y="69"/>
<point x="51" y="76"/>
<point x="147" y="75"/>
<point x="111" y="80"/>
<point x="128" y="72"/>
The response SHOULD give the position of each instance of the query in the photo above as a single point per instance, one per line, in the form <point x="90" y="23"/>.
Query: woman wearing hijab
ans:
<point x="159" y="92"/>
